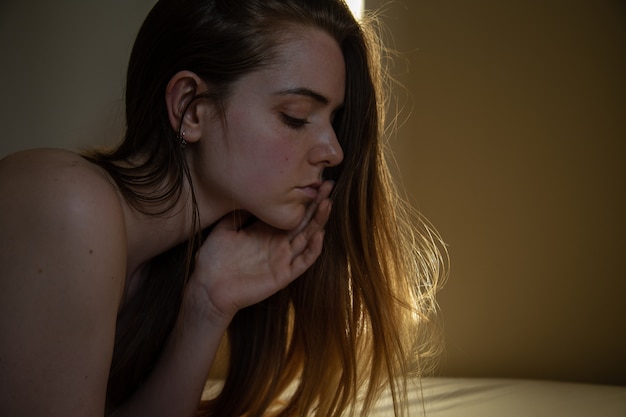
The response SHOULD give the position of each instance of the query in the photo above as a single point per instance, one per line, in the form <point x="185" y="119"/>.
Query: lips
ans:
<point x="310" y="190"/>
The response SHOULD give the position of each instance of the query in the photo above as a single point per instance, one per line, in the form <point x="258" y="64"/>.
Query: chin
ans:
<point x="285" y="224"/>
<point x="287" y="220"/>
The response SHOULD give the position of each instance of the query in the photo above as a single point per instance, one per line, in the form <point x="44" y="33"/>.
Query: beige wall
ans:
<point x="515" y="149"/>
<point x="62" y="70"/>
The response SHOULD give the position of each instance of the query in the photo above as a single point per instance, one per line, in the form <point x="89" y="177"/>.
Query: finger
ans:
<point x="323" y="193"/>
<point x="309" y="255"/>
<point x="308" y="215"/>
<point x="320" y="219"/>
<point x="306" y="239"/>
<point x="302" y="240"/>
<point x="325" y="190"/>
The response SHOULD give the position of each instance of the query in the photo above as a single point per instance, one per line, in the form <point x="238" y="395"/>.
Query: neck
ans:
<point x="148" y="235"/>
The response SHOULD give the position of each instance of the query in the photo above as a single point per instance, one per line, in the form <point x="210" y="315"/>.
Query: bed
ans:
<point x="493" y="397"/>
<point x="490" y="397"/>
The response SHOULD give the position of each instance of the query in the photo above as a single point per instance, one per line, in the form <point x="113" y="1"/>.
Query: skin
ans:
<point x="70" y="246"/>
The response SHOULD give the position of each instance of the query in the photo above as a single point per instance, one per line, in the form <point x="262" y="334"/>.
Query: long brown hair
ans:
<point x="360" y="318"/>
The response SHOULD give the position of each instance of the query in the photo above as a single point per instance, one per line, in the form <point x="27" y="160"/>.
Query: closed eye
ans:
<point x="293" y="122"/>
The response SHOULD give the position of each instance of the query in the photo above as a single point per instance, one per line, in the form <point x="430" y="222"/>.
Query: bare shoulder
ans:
<point x="62" y="272"/>
<point x="57" y="186"/>
<point x="52" y="199"/>
<point x="51" y="170"/>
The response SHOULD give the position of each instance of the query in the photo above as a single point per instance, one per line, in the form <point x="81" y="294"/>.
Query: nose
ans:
<point x="327" y="150"/>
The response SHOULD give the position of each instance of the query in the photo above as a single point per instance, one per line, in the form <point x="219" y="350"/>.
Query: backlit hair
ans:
<point x="361" y="318"/>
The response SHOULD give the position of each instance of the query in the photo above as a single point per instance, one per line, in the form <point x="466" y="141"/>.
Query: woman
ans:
<point x="123" y="269"/>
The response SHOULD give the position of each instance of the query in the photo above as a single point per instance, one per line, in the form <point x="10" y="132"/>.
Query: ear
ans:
<point x="183" y="111"/>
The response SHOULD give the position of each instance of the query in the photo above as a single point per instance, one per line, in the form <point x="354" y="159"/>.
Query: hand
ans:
<point x="237" y="267"/>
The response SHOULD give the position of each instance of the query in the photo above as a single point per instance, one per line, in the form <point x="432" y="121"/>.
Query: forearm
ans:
<point x="175" y="385"/>
<point x="239" y="267"/>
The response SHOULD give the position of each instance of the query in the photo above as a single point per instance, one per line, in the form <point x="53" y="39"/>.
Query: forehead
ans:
<point x="307" y="58"/>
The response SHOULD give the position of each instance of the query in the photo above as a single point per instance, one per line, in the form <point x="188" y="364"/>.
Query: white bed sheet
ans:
<point x="487" y="397"/>
<point x="492" y="397"/>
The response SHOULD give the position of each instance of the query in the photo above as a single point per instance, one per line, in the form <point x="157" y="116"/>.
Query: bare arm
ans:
<point x="235" y="268"/>
<point x="62" y="272"/>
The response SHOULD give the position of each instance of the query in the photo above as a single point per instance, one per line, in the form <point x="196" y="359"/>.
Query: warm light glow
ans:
<point x="357" y="7"/>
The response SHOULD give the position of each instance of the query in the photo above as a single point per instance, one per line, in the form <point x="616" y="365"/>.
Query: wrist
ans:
<point x="199" y="309"/>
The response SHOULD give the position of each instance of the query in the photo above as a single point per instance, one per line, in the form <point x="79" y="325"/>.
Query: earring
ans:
<point x="183" y="142"/>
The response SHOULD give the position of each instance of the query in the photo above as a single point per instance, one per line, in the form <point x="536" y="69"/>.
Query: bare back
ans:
<point x="62" y="273"/>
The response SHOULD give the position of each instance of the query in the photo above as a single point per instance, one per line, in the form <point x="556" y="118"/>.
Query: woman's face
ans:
<point x="269" y="156"/>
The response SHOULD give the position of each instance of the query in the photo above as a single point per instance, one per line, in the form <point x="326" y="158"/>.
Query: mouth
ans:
<point x="311" y="190"/>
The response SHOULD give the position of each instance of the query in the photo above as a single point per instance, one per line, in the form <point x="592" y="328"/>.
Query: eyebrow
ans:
<point x="301" y="91"/>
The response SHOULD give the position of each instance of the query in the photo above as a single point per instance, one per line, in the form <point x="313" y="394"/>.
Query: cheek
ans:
<point x="262" y="151"/>
<point x="273" y="164"/>
<point x="273" y="154"/>
<point x="264" y="164"/>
